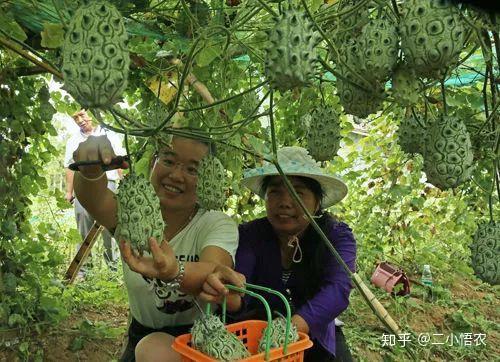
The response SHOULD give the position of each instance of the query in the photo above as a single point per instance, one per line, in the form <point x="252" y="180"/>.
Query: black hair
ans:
<point x="310" y="271"/>
<point x="212" y="149"/>
<point x="200" y="135"/>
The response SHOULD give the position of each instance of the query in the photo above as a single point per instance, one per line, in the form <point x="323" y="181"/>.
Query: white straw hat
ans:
<point x="296" y="161"/>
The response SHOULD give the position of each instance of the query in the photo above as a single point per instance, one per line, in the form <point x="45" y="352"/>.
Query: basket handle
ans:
<point x="268" y="311"/>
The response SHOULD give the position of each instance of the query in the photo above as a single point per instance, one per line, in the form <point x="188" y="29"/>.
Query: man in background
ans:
<point x="83" y="220"/>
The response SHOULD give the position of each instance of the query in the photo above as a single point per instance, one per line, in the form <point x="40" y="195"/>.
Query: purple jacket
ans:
<point x="259" y="258"/>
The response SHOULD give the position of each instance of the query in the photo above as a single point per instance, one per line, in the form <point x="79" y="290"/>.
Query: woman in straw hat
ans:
<point x="282" y="251"/>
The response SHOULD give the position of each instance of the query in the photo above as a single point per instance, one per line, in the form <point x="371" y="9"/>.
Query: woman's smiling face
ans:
<point x="175" y="173"/>
<point x="284" y="214"/>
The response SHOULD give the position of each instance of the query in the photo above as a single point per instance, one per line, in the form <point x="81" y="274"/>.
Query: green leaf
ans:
<point x="315" y="4"/>
<point x="208" y="55"/>
<point x="52" y="35"/>
<point x="16" y="320"/>
<point x="12" y="28"/>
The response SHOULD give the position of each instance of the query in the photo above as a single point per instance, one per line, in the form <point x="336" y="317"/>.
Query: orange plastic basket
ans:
<point x="249" y="332"/>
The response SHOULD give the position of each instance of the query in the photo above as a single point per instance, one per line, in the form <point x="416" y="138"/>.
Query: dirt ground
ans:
<point x="58" y="343"/>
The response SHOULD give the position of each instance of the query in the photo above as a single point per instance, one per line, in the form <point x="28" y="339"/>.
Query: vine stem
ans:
<point x="417" y="119"/>
<point x="478" y="185"/>
<point x="395" y="7"/>
<point x="497" y="178"/>
<point x="185" y="72"/>
<point x="26" y="47"/>
<point x="61" y="17"/>
<point x="490" y="205"/>
<point x="340" y="76"/>
<point x="348" y="11"/>
<point x="333" y="49"/>
<point x="190" y="15"/>
<point x="8" y="44"/>
<point x="496" y="41"/>
<point x="182" y="132"/>
<point x="185" y="110"/>
<point x="52" y="213"/>
<point x="245" y="18"/>
<point x="268" y="8"/>
<point x="127" y="148"/>
<point x="484" y="91"/>
<point x="443" y="94"/>
<point x="273" y="129"/>
<point x="489" y="118"/>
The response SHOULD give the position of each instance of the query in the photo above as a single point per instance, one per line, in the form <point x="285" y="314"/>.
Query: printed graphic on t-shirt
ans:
<point x="171" y="301"/>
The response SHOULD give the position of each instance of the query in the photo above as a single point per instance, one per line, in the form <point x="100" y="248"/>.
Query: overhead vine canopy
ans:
<point x="226" y="65"/>
<point x="255" y="74"/>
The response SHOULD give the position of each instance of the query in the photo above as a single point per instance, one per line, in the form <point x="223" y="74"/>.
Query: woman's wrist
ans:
<point x="166" y="284"/>
<point x="171" y="272"/>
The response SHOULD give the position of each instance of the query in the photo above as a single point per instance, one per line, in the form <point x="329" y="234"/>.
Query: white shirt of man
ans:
<point x="80" y="137"/>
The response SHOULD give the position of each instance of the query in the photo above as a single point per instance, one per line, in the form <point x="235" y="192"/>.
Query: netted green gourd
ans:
<point x="95" y="55"/>
<point x="155" y="114"/>
<point x="485" y="253"/>
<point x="211" y="183"/>
<point x="323" y="137"/>
<point x="378" y="46"/>
<point x="411" y="135"/>
<point x="432" y="35"/>
<point x="278" y="333"/>
<point x="405" y="86"/>
<point x="249" y="104"/>
<point x="359" y="102"/>
<point x="139" y="213"/>
<point x="352" y="19"/>
<point x="230" y="158"/>
<point x="199" y="329"/>
<point x="291" y="55"/>
<point x="363" y="101"/>
<point x="448" y="153"/>
<point x="224" y="346"/>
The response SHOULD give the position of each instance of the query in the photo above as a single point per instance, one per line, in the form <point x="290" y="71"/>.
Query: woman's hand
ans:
<point x="162" y="265"/>
<point x="300" y="323"/>
<point x="95" y="148"/>
<point x="213" y="289"/>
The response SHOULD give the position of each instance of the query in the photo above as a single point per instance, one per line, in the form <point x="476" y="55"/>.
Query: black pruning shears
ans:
<point x="115" y="163"/>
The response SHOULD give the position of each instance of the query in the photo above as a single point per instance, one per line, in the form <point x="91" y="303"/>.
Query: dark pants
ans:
<point x="318" y="354"/>
<point x="137" y="331"/>
<point x="85" y="221"/>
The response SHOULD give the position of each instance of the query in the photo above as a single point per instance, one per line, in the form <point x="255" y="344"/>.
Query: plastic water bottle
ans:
<point x="427" y="282"/>
<point x="427" y="276"/>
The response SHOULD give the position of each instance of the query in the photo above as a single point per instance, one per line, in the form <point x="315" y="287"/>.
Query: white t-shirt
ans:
<point x="80" y="137"/>
<point x="207" y="228"/>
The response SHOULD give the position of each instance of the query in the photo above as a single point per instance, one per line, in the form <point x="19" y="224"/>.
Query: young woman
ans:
<point x="282" y="251"/>
<point x="195" y="242"/>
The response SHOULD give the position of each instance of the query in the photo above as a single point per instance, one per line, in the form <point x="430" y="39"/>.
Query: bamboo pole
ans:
<point x="23" y="53"/>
